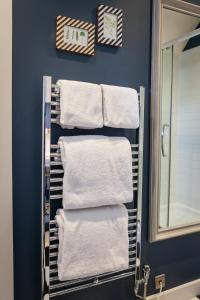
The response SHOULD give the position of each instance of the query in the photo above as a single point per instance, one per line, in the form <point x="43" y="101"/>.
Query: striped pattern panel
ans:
<point x="62" y="45"/>
<point x="100" y="15"/>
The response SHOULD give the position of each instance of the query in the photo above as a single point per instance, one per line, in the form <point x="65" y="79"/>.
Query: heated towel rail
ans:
<point x="52" y="178"/>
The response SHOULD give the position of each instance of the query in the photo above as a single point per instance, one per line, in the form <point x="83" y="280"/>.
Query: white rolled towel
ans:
<point x="80" y="104"/>
<point x="92" y="241"/>
<point x="97" y="171"/>
<point x="120" y="107"/>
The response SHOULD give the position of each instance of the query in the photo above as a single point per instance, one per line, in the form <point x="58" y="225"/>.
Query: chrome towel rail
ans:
<point x="52" y="180"/>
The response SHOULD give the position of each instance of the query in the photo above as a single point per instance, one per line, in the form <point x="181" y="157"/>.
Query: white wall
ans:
<point x="176" y="24"/>
<point x="188" y="130"/>
<point x="6" y="248"/>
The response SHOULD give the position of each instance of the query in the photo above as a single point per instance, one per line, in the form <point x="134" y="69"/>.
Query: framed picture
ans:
<point x="109" y="25"/>
<point x="75" y="35"/>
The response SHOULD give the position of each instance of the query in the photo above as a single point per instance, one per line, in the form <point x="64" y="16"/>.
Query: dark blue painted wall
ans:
<point x="34" y="55"/>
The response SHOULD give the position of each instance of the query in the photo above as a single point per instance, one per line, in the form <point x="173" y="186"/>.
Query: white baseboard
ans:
<point x="186" y="291"/>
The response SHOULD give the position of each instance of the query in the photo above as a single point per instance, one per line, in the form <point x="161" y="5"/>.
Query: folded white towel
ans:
<point x="80" y="104"/>
<point x="120" y="107"/>
<point x="92" y="241"/>
<point x="97" y="171"/>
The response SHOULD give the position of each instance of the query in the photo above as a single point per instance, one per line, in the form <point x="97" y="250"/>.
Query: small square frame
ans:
<point x="101" y="38"/>
<point x="77" y="27"/>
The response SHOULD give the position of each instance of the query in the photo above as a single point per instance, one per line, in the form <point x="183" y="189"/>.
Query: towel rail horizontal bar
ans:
<point x="94" y="278"/>
<point x="135" y="152"/>
<point x="60" y="179"/>
<point x="132" y="238"/>
<point x="53" y="271"/>
<point x="135" y="168"/>
<point x="99" y="282"/>
<point x="57" y="171"/>
<point x="55" y="154"/>
<point x="132" y="231"/>
<point x="55" y="253"/>
<point x="55" y="236"/>
<point x="132" y="246"/>
<point x="132" y="253"/>
<point x="60" y="188"/>
<point x="56" y="188"/>
<point x="60" y="171"/>
<point x="59" y="162"/>
<point x="56" y="180"/>
<point x="132" y="259"/>
<point x="54" y="94"/>
<point x="130" y="210"/>
<point x="60" y="196"/>
<point x="54" y="279"/>
<point x="55" y="229"/>
<point x="70" y="282"/>
<point x="132" y="217"/>
<point x="55" y="197"/>
<point x="56" y="163"/>
<point x="129" y="225"/>
<point x="135" y="160"/>
<point x="54" y="120"/>
<point x="55" y="146"/>
<point x="56" y="87"/>
<point x="58" y="154"/>
<point x="55" y="103"/>
<point x="53" y="222"/>
<point x="55" y="111"/>
<point x="54" y="246"/>
<point x="53" y="263"/>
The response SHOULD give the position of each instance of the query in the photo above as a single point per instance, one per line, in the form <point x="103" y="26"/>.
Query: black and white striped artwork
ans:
<point x="109" y="27"/>
<point x="75" y="35"/>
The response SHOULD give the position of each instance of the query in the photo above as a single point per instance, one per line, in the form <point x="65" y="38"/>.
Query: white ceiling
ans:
<point x="175" y="24"/>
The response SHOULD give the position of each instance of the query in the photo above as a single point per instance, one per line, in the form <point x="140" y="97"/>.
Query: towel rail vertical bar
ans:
<point x="140" y="185"/>
<point x="46" y="142"/>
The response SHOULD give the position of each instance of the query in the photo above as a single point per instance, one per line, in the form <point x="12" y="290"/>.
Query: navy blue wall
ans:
<point x="34" y="55"/>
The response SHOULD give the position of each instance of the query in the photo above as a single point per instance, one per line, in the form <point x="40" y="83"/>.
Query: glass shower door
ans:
<point x="166" y="105"/>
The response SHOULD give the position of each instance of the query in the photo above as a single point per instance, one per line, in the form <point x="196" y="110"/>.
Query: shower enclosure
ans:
<point x="180" y="128"/>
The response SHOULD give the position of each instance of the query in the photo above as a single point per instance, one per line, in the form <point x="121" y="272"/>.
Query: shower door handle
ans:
<point x="163" y="134"/>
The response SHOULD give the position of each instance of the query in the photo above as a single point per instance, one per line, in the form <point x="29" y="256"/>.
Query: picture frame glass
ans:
<point x="75" y="36"/>
<point x="110" y="26"/>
